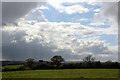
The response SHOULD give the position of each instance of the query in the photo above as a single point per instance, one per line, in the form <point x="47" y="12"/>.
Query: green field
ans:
<point x="63" y="73"/>
<point x="11" y="66"/>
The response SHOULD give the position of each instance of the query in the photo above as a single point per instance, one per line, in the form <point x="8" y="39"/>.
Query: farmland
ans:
<point x="63" y="73"/>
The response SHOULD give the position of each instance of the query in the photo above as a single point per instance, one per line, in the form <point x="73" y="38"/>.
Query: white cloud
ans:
<point x="68" y="9"/>
<point x="74" y="9"/>
<point x="98" y="24"/>
<point x="43" y="7"/>
<point x="97" y="10"/>
<point x="93" y="3"/>
<point x="82" y="19"/>
<point x="57" y="3"/>
<point x="96" y="14"/>
<point x="36" y="15"/>
<point x="56" y="38"/>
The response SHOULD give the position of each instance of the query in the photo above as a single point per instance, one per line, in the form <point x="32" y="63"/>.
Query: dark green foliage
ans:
<point x="57" y="60"/>
<point x="89" y="62"/>
<point x="29" y="64"/>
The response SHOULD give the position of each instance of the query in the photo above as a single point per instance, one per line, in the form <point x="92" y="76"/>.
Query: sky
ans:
<point x="72" y="29"/>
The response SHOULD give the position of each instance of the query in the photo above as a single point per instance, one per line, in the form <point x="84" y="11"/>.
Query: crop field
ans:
<point x="63" y="73"/>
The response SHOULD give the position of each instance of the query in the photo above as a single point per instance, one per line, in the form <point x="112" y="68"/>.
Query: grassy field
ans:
<point x="63" y="73"/>
<point x="11" y="66"/>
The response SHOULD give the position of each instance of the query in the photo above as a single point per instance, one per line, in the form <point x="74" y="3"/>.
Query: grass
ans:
<point x="11" y="66"/>
<point x="63" y="73"/>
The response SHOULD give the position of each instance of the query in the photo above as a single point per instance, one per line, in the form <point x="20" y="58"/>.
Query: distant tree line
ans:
<point x="57" y="62"/>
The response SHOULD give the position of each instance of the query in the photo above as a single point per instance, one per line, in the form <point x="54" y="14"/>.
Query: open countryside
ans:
<point x="60" y="39"/>
<point x="88" y="68"/>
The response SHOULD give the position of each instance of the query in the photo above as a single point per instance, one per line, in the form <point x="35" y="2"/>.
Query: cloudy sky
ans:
<point x="72" y="29"/>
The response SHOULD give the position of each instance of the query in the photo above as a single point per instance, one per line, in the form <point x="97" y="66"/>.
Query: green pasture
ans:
<point x="11" y="66"/>
<point x="63" y="73"/>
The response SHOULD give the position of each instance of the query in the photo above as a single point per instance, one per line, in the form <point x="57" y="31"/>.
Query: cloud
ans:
<point x="37" y="14"/>
<point x="57" y="3"/>
<point x="43" y="7"/>
<point x="42" y="40"/>
<point x="98" y="24"/>
<point x="13" y="11"/>
<point x="83" y="19"/>
<point x="73" y="9"/>
<point x="68" y="9"/>
<point x="97" y="10"/>
<point x="109" y="11"/>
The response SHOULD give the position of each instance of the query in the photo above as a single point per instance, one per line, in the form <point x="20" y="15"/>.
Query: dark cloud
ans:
<point x="22" y="50"/>
<point x="110" y="9"/>
<point x="12" y="11"/>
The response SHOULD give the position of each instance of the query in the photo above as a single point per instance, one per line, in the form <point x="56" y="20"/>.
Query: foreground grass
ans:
<point x="63" y="73"/>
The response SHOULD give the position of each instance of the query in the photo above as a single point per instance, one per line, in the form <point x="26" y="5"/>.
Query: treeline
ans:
<point x="75" y="65"/>
<point x="57" y="62"/>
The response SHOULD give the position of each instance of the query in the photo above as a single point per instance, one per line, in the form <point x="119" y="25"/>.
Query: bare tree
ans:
<point x="89" y="58"/>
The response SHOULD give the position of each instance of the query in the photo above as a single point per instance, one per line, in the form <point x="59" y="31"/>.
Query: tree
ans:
<point x="29" y="64"/>
<point x="57" y="59"/>
<point x="89" y="58"/>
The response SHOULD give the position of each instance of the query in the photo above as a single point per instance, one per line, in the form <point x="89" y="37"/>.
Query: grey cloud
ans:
<point x="119" y="20"/>
<point x="110" y="9"/>
<point x="12" y="11"/>
<point x="37" y="15"/>
<point x="47" y="40"/>
<point x="23" y="50"/>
